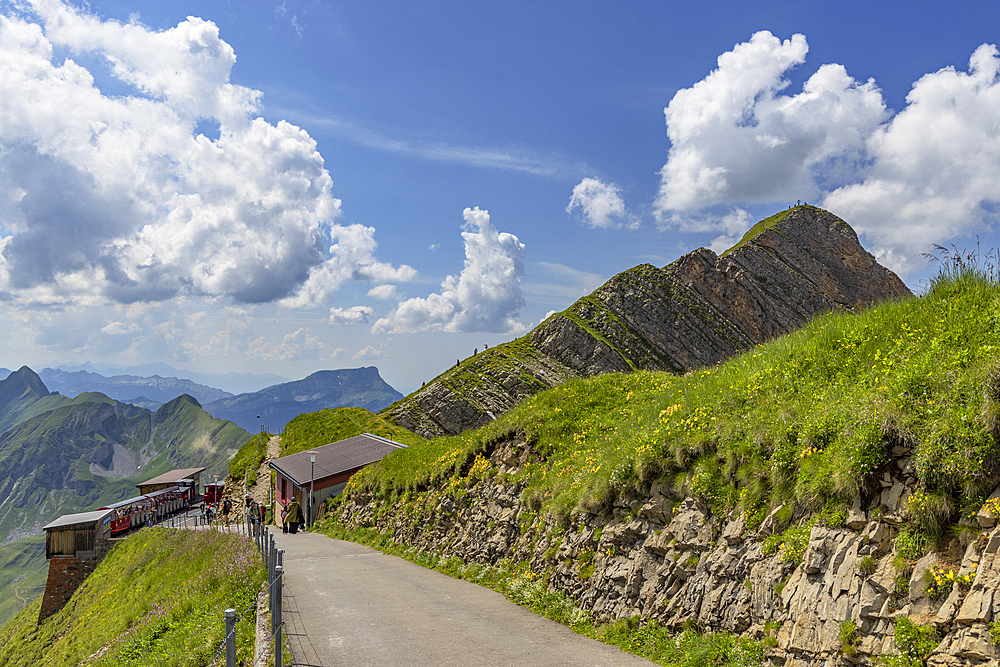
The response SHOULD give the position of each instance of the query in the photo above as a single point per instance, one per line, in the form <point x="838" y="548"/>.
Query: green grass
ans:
<point x="316" y="429"/>
<point x="522" y="586"/>
<point x="158" y="598"/>
<point x="321" y="428"/>
<point x="807" y="420"/>
<point x="763" y="225"/>
<point x="24" y="571"/>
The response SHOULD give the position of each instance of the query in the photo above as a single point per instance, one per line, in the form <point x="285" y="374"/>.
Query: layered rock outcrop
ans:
<point x="697" y="311"/>
<point x="680" y="563"/>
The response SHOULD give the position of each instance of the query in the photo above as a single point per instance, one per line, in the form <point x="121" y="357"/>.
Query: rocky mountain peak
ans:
<point x="697" y="311"/>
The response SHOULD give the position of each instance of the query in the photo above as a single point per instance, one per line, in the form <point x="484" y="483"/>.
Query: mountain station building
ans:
<point x="335" y="463"/>
<point x="170" y="479"/>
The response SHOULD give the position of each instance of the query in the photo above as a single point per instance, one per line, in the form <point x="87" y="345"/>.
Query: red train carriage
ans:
<point x="188" y="491"/>
<point x="163" y="502"/>
<point x="213" y="492"/>
<point x="129" y="513"/>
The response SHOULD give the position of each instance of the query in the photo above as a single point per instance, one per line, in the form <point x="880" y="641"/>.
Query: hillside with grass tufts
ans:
<point x="834" y="490"/>
<point x="695" y="312"/>
<point x="157" y="599"/>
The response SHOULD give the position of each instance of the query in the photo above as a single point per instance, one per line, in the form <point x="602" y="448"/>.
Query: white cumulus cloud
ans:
<point x="155" y="208"/>
<point x="120" y="328"/>
<point x="485" y="296"/>
<point x="300" y="344"/>
<point x="735" y="138"/>
<point x="352" y="315"/>
<point x="933" y="166"/>
<point x="907" y="180"/>
<point x="383" y="292"/>
<point x="601" y="204"/>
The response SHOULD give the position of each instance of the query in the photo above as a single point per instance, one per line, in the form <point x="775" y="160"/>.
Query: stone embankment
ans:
<point x="681" y="564"/>
<point x="695" y="312"/>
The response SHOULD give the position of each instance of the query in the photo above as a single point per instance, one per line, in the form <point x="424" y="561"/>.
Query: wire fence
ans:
<point x="273" y="562"/>
<point x="249" y="525"/>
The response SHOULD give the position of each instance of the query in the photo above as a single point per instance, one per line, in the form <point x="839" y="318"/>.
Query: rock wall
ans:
<point x="697" y="311"/>
<point x="66" y="573"/>
<point x="678" y="563"/>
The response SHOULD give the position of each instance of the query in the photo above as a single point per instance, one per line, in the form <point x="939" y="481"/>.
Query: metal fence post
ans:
<point x="277" y="631"/>
<point x="275" y="598"/>
<point x="230" y="638"/>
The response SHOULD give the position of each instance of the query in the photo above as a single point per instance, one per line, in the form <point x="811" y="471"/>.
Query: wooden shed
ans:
<point x="73" y="533"/>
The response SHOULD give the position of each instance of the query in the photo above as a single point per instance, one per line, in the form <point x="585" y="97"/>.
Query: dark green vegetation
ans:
<point x="158" y="598"/>
<point x="521" y="585"/>
<point x="808" y="420"/>
<point x="275" y="406"/>
<point x="63" y="455"/>
<point x="316" y="429"/>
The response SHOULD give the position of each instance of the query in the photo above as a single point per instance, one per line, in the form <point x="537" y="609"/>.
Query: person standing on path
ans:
<point x="292" y="520"/>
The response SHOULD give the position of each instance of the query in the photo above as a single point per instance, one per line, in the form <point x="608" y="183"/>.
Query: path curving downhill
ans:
<point x="347" y="604"/>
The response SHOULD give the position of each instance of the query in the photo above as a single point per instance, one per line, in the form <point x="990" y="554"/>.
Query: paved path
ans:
<point x="346" y="604"/>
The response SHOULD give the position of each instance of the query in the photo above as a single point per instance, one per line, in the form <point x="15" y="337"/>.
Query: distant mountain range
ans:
<point x="276" y="406"/>
<point x="61" y="454"/>
<point x="233" y="383"/>
<point x="147" y="392"/>
<point x="271" y="407"/>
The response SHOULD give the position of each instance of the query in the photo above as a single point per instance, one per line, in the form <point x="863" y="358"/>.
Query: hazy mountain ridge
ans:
<point x="232" y="382"/>
<point x="129" y="388"/>
<point x="697" y="311"/>
<point x="277" y="405"/>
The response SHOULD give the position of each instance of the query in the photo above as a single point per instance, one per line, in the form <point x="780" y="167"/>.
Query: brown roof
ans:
<point x="173" y="476"/>
<point x="335" y="458"/>
<point x="77" y="519"/>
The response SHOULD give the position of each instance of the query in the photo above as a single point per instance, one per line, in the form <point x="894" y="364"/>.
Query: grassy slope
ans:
<point x="156" y="599"/>
<point x="24" y="570"/>
<point x="42" y="456"/>
<point x="315" y="429"/>
<point x="810" y="419"/>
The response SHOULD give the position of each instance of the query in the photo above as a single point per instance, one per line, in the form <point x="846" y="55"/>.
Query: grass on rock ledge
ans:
<point x="809" y="420"/>
<point x="158" y="598"/>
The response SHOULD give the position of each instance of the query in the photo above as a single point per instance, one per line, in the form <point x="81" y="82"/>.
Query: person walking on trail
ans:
<point x="284" y="518"/>
<point x="227" y="506"/>
<point x="292" y="519"/>
<point x="263" y="512"/>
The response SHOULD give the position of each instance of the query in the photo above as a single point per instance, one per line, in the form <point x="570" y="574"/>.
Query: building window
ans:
<point x="284" y="488"/>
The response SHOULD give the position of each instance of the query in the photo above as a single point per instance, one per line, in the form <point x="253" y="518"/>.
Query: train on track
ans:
<point x="150" y="507"/>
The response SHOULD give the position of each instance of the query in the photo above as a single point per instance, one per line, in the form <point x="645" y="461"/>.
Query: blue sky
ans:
<point x="286" y="187"/>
